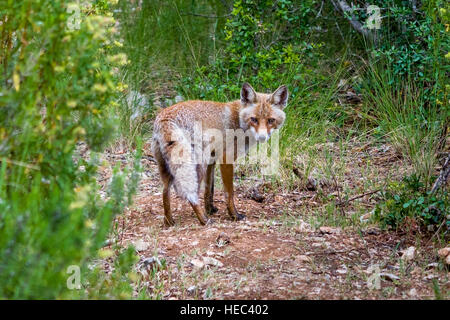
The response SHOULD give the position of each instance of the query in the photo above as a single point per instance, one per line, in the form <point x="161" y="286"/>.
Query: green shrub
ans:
<point x="265" y="42"/>
<point x="409" y="198"/>
<point x="56" y="89"/>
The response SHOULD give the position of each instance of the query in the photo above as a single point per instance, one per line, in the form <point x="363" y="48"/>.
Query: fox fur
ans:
<point x="257" y="114"/>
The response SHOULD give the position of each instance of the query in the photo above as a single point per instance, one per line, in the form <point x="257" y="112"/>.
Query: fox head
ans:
<point x="262" y="113"/>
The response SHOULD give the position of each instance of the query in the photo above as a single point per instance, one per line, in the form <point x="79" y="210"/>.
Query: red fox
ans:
<point x="255" y="114"/>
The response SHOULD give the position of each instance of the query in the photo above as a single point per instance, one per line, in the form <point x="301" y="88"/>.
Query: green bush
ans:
<point x="56" y="90"/>
<point x="409" y="198"/>
<point x="265" y="42"/>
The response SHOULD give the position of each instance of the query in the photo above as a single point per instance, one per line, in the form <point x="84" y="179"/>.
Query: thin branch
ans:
<point x="340" y="203"/>
<point x="443" y="175"/>
<point x="320" y="10"/>
<point x="343" y="7"/>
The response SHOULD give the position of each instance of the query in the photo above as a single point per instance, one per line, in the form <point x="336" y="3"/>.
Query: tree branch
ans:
<point x="443" y="175"/>
<point x="343" y="7"/>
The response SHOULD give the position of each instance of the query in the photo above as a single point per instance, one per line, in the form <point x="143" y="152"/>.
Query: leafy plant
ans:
<point x="57" y="87"/>
<point x="410" y="199"/>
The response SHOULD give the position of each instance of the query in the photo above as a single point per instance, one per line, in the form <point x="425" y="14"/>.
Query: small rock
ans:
<point x="409" y="254"/>
<point x="191" y="289"/>
<point x="444" y="252"/>
<point x="389" y="276"/>
<point x="412" y="292"/>
<point x="179" y="98"/>
<point x="430" y="277"/>
<point x="329" y="230"/>
<point x="150" y="262"/>
<point x="222" y="239"/>
<point x="255" y="195"/>
<point x="302" y="259"/>
<point x="212" y="262"/>
<point x="197" y="263"/>
<point x="432" y="265"/>
<point x="365" y="217"/>
<point x="372" y="230"/>
<point x="141" y="245"/>
<point x="341" y="271"/>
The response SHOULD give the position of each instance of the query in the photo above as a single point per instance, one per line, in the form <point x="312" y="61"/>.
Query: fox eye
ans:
<point x="270" y="120"/>
<point x="254" y="120"/>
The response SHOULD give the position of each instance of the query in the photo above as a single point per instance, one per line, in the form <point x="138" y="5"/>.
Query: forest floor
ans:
<point x="282" y="250"/>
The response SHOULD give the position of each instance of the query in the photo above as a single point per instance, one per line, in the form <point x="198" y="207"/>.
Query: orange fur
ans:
<point x="257" y="113"/>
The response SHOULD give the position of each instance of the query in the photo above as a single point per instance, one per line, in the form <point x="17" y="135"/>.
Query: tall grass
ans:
<point x="410" y="123"/>
<point x="163" y="41"/>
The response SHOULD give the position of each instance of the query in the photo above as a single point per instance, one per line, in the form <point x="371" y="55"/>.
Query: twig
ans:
<point x="320" y="10"/>
<point x="437" y="231"/>
<point x="443" y="175"/>
<point x="327" y="252"/>
<point x="358" y="26"/>
<point x="339" y="203"/>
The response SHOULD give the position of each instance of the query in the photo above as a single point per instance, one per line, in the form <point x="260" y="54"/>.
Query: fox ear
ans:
<point x="280" y="97"/>
<point x="248" y="94"/>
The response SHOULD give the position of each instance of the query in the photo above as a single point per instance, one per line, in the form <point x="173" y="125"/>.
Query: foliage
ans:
<point x="265" y="42"/>
<point x="410" y="199"/>
<point x="57" y="88"/>
<point x="409" y="36"/>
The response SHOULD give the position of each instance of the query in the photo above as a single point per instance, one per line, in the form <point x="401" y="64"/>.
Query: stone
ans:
<point x="212" y="262"/>
<point x="141" y="245"/>
<point x="329" y="230"/>
<point x="222" y="240"/>
<point x="197" y="263"/>
<point x="192" y="289"/>
<point x="444" y="252"/>
<point x="412" y="292"/>
<point x="409" y="254"/>
<point x="389" y="276"/>
<point x="302" y="259"/>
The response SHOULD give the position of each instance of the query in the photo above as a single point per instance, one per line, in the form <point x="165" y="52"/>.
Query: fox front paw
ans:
<point x="169" y="223"/>
<point x="239" y="217"/>
<point x="211" y="210"/>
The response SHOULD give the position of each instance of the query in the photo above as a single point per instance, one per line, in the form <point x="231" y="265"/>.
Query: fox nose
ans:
<point x="262" y="137"/>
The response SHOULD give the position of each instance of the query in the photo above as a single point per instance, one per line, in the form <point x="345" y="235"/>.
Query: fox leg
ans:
<point x="209" y="190"/>
<point x="166" y="178"/>
<point x="168" y="220"/>
<point x="227" y="172"/>
<point x="200" y="214"/>
<point x="167" y="181"/>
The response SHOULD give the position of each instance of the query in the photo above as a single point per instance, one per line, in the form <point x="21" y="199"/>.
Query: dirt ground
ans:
<point x="280" y="251"/>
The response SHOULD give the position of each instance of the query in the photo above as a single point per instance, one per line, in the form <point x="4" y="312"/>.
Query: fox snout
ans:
<point x="260" y="135"/>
